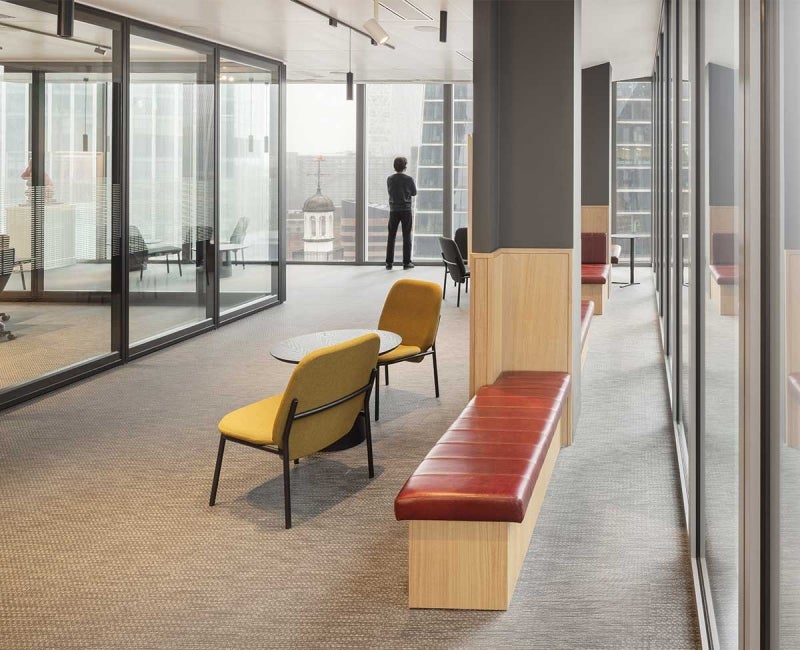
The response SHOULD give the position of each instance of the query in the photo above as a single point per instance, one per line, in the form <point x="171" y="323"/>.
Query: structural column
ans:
<point x="525" y="219"/>
<point x="596" y="150"/>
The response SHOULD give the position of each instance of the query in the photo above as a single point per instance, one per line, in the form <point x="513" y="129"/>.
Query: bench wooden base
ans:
<point x="473" y="564"/>
<point x="724" y="296"/>
<point x="596" y="292"/>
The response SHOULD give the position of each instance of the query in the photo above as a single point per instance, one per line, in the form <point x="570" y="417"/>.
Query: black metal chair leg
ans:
<point x="377" y="395"/>
<point x="167" y="258"/>
<point x="466" y="286"/>
<point x="243" y="265"/>
<point x="458" y="301"/>
<point x="22" y="275"/>
<point x="368" y="431"/>
<point x="287" y="499"/>
<point x="215" y="482"/>
<point x="296" y="461"/>
<point x="386" y="372"/>
<point x="435" y="372"/>
<point x="141" y="271"/>
<point x="444" y="283"/>
<point x="180" y="268"/>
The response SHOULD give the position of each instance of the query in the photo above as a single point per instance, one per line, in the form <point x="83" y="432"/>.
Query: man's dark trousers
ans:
<point x="395" y="219"/>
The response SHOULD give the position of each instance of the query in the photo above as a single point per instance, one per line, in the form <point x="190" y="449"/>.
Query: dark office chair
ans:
<point x="139" y="252"/>
<point x="454" y="265"/>
<point x="460" y="237"/>
<point x="6" y="267"/>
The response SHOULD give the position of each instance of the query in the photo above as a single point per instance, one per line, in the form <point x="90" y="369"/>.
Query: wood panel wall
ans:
<point x="521" y="309"/>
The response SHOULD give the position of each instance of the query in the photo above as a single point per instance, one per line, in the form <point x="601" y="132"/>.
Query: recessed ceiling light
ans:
<point x="426" y="28"/>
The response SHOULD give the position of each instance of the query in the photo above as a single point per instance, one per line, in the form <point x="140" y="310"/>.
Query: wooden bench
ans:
<point x="587" y="310"/>
<point x="472" y="503"/>
<point x="595" y="269"/>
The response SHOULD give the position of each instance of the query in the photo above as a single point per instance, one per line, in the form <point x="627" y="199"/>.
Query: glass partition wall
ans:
<point x="698" y="238"/>
<point x="129" y="139"/>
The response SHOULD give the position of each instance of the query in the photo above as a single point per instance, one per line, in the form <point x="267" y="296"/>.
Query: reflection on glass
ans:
<point x="55" y="208"/>
<point x="789" y="381"/>
<point x="171" y="187"/>
<point x="248" y="246"/>
<point x="722" y="232"/>
<point x="321" y="174"/>
<point x="685" y="200"/>
<point x="405" y="120"/>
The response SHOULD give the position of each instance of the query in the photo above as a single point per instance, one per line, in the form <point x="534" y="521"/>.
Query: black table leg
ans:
<point x="632" y="255"/>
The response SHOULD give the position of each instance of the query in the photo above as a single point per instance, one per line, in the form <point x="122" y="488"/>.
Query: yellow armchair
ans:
<point x="412" y="310"/>
<point x="327" y="391"/>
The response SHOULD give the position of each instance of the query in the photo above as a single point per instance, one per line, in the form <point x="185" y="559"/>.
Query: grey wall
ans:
<point x="525" y="139"/>
<point x="721" y="135"/>
<point x="596" y="135"/>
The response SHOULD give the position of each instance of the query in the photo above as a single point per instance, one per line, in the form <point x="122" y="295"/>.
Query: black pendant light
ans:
<point x="66" y="18"/>
<point x="350" y="69"/>
<point x="443" y="27"/>
<point x="85" y="114"/>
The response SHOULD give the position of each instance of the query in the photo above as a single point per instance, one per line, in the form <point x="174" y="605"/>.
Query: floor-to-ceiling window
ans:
<point x="405" y="120"/>
<point x="321" y="174"/>
<point x="248" y="181"/>
<point x="462" y="128"/>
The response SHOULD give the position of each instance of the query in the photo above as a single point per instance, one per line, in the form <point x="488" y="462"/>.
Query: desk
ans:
<point x="632" y="236"/>
<point x="294" y="349"/>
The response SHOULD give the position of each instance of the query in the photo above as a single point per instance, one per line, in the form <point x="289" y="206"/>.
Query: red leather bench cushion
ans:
<point x="595" y="273"/>
<point x="794" y="385"/>
<point x="594" y="248"/>
<point x="587" y="311"/>
<point x="484" y="468"/>
<point x="725" y="273"/>
<point x="616" y="251"/>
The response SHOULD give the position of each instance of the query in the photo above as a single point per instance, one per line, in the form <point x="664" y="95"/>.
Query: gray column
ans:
<point x="526" y="175"/>
<point x="596" y="135"/>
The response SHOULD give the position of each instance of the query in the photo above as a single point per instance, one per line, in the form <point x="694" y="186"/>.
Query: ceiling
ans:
<point x="622" y="32"/>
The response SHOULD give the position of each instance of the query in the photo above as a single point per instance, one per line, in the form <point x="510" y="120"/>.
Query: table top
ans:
<point x="294" y="349"/>
<point x="228" y="246"/>
<point x="631" y="235"/>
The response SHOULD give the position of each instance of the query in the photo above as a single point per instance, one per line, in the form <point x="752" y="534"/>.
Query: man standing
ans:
<point x="401" y="188"/>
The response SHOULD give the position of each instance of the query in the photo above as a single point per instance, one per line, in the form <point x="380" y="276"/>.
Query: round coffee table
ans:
<point x="294" y="349"/>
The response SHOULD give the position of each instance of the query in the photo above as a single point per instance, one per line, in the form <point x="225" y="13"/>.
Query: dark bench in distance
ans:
<point x="595" y="269"/>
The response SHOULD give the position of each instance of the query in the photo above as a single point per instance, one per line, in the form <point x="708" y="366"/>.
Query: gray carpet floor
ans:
<point x="107" y="540"/>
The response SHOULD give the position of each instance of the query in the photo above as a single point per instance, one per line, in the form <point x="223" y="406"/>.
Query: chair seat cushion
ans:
<point x="616" y="251"/>
<point x="400" y="352"/>
<point x="725" y="273"/>
<point x="254" y="422"/>
<point x="595" y="273"/>
<point x="794" y="385"/>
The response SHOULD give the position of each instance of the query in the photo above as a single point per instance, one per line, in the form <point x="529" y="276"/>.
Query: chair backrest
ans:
<point x="412" y="310"/>
<point x="240" y="231"/>
<point x="723" y="248"/>
<point x="452" y="259"/>
<point x="322" y="377"/>
<point x="460" y="237"/>
<point x="136" y="248"/>
<point x="594" y="248"/>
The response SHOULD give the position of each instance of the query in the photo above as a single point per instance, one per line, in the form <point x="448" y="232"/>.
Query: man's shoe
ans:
<point x="410" y="265"/>
<point x="388" y="267"/>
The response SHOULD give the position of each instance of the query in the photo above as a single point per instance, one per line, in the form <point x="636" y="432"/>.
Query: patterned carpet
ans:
<point x="108" y="542"/>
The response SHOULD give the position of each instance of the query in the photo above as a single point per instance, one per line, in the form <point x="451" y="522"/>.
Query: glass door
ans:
<point x="248" y="182"/>
<point x="171" y="187"/>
